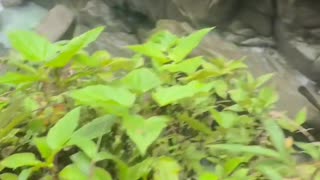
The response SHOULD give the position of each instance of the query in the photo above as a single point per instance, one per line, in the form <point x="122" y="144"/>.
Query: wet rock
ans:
<point x="260" y="61"/>
<point x="239" y="28"/>
<point x="204" y="11"/>
<point x="10" y="3"/>
<point x="96" y="12"/>
<point x="59" y="24"/>
<point x="11" y="19"/>
<point x="259" y="22"/>
<point x="299" y="54"/>
<point x="258" y="42"/>
<point x="115" y="43"/>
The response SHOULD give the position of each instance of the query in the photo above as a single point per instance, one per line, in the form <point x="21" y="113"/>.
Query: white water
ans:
<point x="24" y="17"/>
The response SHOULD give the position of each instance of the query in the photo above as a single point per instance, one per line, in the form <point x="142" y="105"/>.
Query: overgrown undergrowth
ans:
<point x="162" y="114"/>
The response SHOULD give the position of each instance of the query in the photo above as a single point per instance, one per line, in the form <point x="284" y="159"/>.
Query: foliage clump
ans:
<point x="162" y="114"/>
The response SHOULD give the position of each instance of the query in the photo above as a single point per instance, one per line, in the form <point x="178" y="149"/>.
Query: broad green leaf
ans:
<point x="72" y="172"/>
<point x="101" y="174"/>
<point x="31" y="104"/>
<point x="86" y="145"/>
<point x="73" y="47"/>
<point x="185" y="45"/>
<point x="100" y="94"/>
<point x="25" y="174"/>
<point x="143" y="132"/>
<point x="12" y="78"/>
<point x="99" y="58"/>
<point x="122" y="167"/>
<point x="152" y="50"/>
<point x="32" y="46"/>
<point x="8" y="176"/>
<point x="43" y="147"/>
<point x="164" y="39"/>
<point x="208" y="176"/>
<point x="263" y="79"/>
<point x="311" y="149"/>
<point x="268" y="96"/>
<point x="232" y="164"/>
<point x="166" y="169"/>
<point x="301" y="117"/>
<point x="221" y="88"/>
<point x="239" y="95"/>
<point x="225" y="119"/>
<point x="19" y="160"/>
<point x="82" y="161"/>
<point x="196" y="124"/>
<point x="278" y="139"/>
<point x="140" y="170"/>
<point x="95" y="128"/>
<point x="234" y="65"/>
<point x="188" y="66"/>
<point x="270" y="172"/>
<point x="164" y="96"/>
<point x="62" y="131"/>
<point x="238" y="148"/>
<point x="141" y="80"/>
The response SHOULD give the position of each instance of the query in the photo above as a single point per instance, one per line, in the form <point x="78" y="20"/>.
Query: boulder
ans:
<point x="58" y="24"/>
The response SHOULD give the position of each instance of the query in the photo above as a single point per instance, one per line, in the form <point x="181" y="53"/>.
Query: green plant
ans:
<point x="162" y="114"/>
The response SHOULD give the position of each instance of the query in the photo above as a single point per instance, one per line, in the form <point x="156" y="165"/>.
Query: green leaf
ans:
<point x="95" y="128"/>
<point x="32" y="46"/>
<point x="278" y="139"/>
<point x="101" y="174"/>
<point x="166" y="169"/>
<point x="12" y="78"/>
<point x="268" y="96"/>
<point x="301" y="117"/>
<point x="143" y="132"/>
<point x="196" y="124"/>
<point x="62" y="131"/>
<point x="43" y="147"/>
<point x="238" y="148"/>
<point x="239" y="95"/>
<point x="101" y="94"/>
<point x="72" y="172"/>
<point x="232" y="164"/>
<point x="221" y="88"/>
<point x="225" y="119"/>
<point x="152" y="50"/>
<point x="164" y="39"/>
<point x="188" y="66"/>
<point x="87" y="146"/>
<point x="185" y="45"/>
<point x="19" y="160"/>
<point x="311" y="149"/>
<point x="25" y="174"/>
<point x="141" y="80"/>
<point x="73" y="47"/>
<point x="8" y="176"/>
<point x="270" y="172"/>
<point x="263" y="79"/>
<point x="169" y="95"/>
<point x="140" y="170"/>
<point x="208" y="176"/>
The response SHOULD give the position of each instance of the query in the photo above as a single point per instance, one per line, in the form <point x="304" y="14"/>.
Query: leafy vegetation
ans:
<point x="162" y="114"/>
